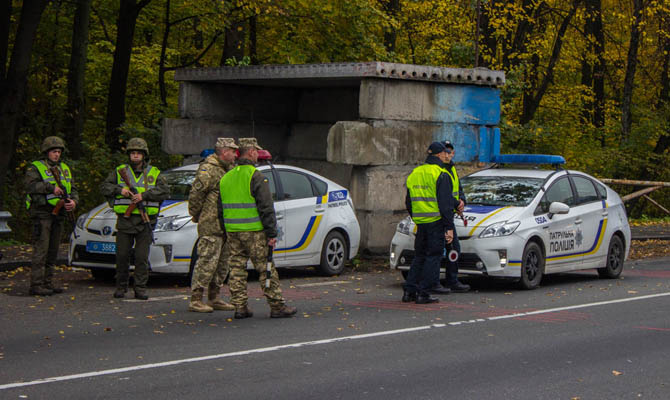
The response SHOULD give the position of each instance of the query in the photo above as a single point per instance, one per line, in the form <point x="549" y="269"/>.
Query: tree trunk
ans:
<point x="116" y="101"/>
<point x="631" y="65"/>
<point x="5" y="18"/>
<point x="523" y="30"/>
<point x="487" y="40"/>
<point x="663" y="142"/>
<point x="13" y="87"/>
<point x="161" y="63"/>
<point x="253" y="50"/>
<point x="532" y="101"/>
<point x="599" y="68"/>
<point x="233" y="42"/>
<point x="392" y="9"/>
<point x="75" y="113"/>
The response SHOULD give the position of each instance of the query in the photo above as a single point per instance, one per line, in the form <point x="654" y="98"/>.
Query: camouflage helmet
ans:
<point x="52" y="142"/>
<point x="137" y="144"/>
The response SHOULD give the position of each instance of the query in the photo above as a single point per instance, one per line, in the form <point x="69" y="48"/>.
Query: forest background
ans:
<point x="586" y="79"/>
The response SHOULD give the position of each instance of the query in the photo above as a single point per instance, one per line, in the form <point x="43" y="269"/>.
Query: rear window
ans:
<point x="180" y="183"/>
<point x="500" y="190"/>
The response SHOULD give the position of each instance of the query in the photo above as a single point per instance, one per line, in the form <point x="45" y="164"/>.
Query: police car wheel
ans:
<point x="334" y="254"/>
<point x="532" y="266"/>
<point x="614" y="262"/>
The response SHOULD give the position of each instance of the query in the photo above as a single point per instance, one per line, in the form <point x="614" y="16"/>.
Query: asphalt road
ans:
<point x="576" y="337"/>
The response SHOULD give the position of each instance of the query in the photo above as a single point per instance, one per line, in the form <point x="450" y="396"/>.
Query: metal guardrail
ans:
<point x="4" y="220"/>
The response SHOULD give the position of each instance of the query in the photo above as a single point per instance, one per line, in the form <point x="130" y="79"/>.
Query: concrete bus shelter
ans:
<point x="362" y="125"/>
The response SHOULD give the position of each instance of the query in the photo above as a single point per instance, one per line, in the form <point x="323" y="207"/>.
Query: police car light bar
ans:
<point x="528" y="159"/>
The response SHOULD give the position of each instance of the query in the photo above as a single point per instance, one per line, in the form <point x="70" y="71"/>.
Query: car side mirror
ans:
<point x="557" y="207"/>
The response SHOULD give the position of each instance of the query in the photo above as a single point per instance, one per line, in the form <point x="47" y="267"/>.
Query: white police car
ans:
<point x="315" y="217"/>
<point x="526" y="223"/>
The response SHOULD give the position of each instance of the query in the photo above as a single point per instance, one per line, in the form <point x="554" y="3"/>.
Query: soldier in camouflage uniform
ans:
<point x="43" y="196"/>
<point x="248" y="214"/>
<point x="212" y="266"/>
<point x="152" y="190"/>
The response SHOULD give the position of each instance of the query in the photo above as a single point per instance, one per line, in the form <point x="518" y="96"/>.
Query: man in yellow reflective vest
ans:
<point x="152" y="189"/>
<point x="430" y="203"/>
<point x="452" y="266"/>
<point x="43" y="195"/>
<point x="248" y="214"/>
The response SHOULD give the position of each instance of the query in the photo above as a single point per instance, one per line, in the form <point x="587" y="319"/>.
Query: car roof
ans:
<point x="333" y="185"/>
<point x="525" y="173"/>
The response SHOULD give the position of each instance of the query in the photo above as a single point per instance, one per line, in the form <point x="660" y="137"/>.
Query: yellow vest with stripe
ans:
<point x="422" y="186"/>
<point x="240" y="213"/>
<point x="142" y="183"/>
<point x="47" y="176"/>
<point x="455" y="184"/>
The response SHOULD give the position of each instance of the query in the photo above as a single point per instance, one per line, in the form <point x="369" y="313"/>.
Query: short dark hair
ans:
<point x="245" y="150"/>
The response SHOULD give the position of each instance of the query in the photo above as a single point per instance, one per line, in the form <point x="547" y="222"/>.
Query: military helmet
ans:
<point x="52" y="142"/>
<point x="137" y="144"/>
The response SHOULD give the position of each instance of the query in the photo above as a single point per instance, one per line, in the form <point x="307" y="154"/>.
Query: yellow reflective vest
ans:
<point x="47" y="176"/>
<point x="145" y="181"/>
<point x="422" y="186"/>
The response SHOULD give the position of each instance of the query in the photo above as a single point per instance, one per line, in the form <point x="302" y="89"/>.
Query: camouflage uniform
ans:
<point x="47" y="228"/>
<point x="133" y="230"/>
<point x="211" y="269"/>
<point x="253" y="245"/>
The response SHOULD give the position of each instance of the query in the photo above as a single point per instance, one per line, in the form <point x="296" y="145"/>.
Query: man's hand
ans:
<point x="70" y="205"/>
<point x="136" y="198"/>
<point x="449" y="236"/>
<point x="461" y="206"/>
<point x="58" y="191"/>
<point x="125" y="192"/>
<point x="272" y="242"/>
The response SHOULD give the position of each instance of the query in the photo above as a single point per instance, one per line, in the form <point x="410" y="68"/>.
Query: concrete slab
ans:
<point x="375" y="188"/>
<point x="377" y="229"/>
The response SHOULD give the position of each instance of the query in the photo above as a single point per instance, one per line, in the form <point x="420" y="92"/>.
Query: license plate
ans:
<point x="101" y="247"/>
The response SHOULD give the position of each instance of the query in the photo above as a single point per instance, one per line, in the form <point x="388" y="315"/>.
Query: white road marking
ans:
<point x="180" y="296"/>
<point x="322" y="283"/>
<point x="315" y="343"/>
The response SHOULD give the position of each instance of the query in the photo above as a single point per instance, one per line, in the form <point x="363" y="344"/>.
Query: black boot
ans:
<point x="408" y="297"/>
<point x="426" y="299"/>
<point x="141" y="294"/>
<point x="120" y="292"/>
<point x="40" y="291"/>
<point x="243" y="312"/>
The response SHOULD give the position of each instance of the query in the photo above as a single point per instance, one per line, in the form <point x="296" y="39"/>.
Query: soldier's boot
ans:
<point x="217" y="303"/>
<point x="141" y="294"/>
<point x="243" y="312"/>
<point x="283" y="312"/>
<point x="40" y="291"/>
<point x="54" y="289"/>
<point x="120" y="292"/>
<point x="196" y="304"/>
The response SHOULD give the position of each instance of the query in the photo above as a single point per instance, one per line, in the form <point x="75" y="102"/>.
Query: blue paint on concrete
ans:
<point x="468" y="115"/>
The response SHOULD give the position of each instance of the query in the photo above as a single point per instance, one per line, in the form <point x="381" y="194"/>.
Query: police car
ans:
<point x="316" y="222"/>
<point x="526" y="223"/>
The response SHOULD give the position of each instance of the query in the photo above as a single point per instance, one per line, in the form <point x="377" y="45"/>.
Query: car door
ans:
<point x="304" y="213"/>
<point x="278" y="256"/>
<point x="558" y="231"/>
<point x="591" y="222"/>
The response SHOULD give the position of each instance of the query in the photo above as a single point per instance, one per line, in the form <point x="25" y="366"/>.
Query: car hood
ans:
<point x="479" y="217"/>
<point x="102" y="219"/>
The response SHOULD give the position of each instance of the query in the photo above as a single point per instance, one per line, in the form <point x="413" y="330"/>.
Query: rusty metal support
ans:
<point x="654" y="202"/>
<point x="639" y="193"/>
<point x="635" y="183"/>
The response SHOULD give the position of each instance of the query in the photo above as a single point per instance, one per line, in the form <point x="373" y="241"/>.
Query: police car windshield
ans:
<point x="500" y="190"/>
<point x="180" y="183"/>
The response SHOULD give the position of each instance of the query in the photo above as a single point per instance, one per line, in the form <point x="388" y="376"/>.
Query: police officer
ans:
<point x="152" y="189"/>
<point x="248" y="214"/>
<point x="430" y="203"/>
<point x="43" y="195"/>
<point x="212" y="266"/>
<point x="451" y="274"/>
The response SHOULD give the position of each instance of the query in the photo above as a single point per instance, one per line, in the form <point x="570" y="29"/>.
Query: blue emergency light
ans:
<point x="207" y="152"/>
<point x="528" y="159"/>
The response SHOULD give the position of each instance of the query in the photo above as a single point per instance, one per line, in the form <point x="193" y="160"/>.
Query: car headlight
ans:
<point x="405" y="226"/>
<point x="171" y="223"/>
<point x="503" y="228"/>
<point x="80" y="221"/>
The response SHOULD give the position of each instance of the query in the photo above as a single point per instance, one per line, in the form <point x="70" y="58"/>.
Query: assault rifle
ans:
<point x="64" y="198"/>
<point x="140" y="206"/>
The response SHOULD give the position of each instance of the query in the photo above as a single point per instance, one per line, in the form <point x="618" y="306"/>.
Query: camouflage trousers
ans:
<point x="124" y="245"/>
<point x="46" y="239"/>
<point x="244" y="246"/>
<point x="211" y="269"/>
